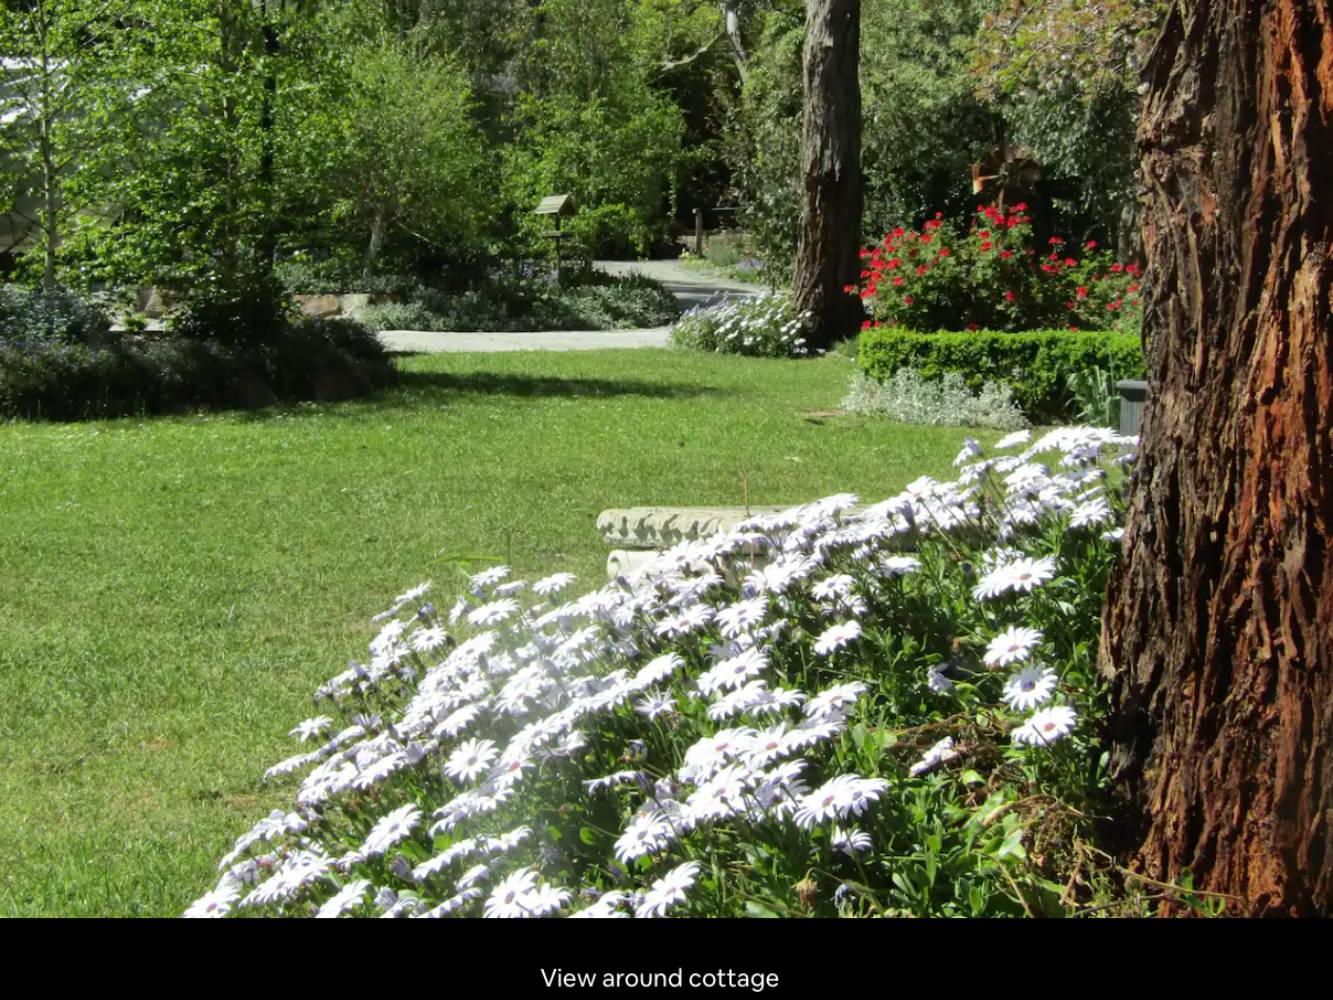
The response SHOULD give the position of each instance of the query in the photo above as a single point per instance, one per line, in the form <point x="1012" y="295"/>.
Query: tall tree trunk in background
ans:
<point x="827" y="258"/>
<point x="1218" y="637"/>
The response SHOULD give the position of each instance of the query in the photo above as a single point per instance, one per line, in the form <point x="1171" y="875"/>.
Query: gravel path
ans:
<point x="689" y="287"/>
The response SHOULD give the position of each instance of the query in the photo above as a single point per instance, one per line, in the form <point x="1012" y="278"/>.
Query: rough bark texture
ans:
<point x="1218" y="637"/>
<point x="827" y="257"/>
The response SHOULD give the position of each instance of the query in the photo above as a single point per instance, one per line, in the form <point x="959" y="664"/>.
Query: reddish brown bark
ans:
<point x="827" y="256"/>
<point x="1218" y="637"/>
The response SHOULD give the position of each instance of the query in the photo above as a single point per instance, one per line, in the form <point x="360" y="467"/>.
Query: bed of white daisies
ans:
<point x="835" y="710"/>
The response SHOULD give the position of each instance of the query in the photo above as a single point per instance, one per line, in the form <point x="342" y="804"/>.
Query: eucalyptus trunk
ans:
<point x="827" y="258"/>
<point x="1218" y="637"/>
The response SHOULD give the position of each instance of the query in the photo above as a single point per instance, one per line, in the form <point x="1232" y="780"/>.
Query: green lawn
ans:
<point x="172" y="590"/>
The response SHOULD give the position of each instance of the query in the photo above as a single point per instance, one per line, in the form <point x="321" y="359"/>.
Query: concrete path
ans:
<point x="689" y="287"/>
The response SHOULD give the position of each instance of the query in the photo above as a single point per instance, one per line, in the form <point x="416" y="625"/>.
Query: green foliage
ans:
<point x="59" y="316"/>
<point x="58" y="380"/>
<point x="1036" y="364"/>
<point x="618" y="155"/>
<point x="409" y="164"/>
<point x="511" y="302"/>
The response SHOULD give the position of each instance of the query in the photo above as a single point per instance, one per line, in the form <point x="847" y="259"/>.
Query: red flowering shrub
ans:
<point x="992" y="277"/>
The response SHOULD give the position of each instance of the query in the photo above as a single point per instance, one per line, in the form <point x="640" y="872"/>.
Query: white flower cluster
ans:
<point x="764" y="325"/>
<point x="426" y="802"/>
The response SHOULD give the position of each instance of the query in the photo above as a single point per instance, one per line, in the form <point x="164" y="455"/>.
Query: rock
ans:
<point x="663" y="527"/>
<point x="353" y="303"/>
<point x="319" y="306"/>
<point x="149" y="302"/>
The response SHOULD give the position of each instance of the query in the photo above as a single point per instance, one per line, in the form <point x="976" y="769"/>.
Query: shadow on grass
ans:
<point x="415" y="390"/>
<point x="418" y="384"/>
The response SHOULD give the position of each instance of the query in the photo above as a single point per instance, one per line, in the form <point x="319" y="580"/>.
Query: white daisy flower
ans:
<point x="837" y="636"/>
<point x="494" y="612"/>
<point x="835" y="701"/>
<point x="514" y="895"/>
<point x="391" y="829"/>
<point x="647" y="833"/>
<point x="1013" y="440"/>
<point x="892" y="566"/>
<point x="935" y="756"/>
<point x="217" y="903"/>
<point x="488" y="577"/>
<point x="1029" y="687"/>
<point x="311" y="727"/>
<point x="553" y="584"/>
<point x="847" y="793"/>
<point x="655" y="705"/>
<point x="347" y="898"/>
<point x="668" y="891"/>
<point x="937" y="682"/>
<point x="971" y="449"/>
<point x="1046" y="726"/>
<point x="471" y="759"/>
<point x="1011" y="645"/>
<point x="1021" y="575"/>
<point x="851" y="842"/>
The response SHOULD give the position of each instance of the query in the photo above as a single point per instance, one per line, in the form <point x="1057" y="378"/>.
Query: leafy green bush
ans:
<point x="764" y="326"/>
<point x="310" y="359"/>
<point x="1036" y="364"/>
<point x="59" y="315"/>
<point x="946" y="402"/>
<point x="593" y="302"/>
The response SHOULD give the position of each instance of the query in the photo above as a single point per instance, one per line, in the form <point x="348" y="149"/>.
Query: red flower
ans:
<point x="1069" y="306"/>
<point x="986" y="245"/>
<point x="1022" y="206"/>
<point x="895" y="262"/>
<point x="984" y="234"/>
<point x="1073" y="329"/>
<point x="926" y="239"/>
<point x="944" y="251"/>
<point x="1055" y="241"/>
<point x="865" y="325"/>
<point x="1133" y="288"/>
<point x="972" y="326"/>
<point x="1011" y="221"/>
<point x="1070" y="262"/>
<point x="897" y="281"/>
<point x="1090" y="245"/>
<point x="865" y="252"/>
<point x="907" y="300"/>
<point x="1132" y="269"/>
<point x="1116" y="268"/>
<point x="898" y="230"/>
<point x="849" y="289"/>
<point x="1005" y="254"/>
<point x="1009" y="296"/>
<point x="921" y="269"/>
<point x="939" y="215"/>
<point x="1082" y="291"/>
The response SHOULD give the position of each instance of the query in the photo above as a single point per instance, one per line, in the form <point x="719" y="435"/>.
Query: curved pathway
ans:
<point x="690" y="287"/>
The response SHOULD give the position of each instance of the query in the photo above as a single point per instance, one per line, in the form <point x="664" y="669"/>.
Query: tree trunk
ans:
<point x="827" y="258"/>
<point x="1218" y="637"/>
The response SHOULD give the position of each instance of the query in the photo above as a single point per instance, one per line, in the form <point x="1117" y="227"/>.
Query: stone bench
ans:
<point x="638" y="534"/>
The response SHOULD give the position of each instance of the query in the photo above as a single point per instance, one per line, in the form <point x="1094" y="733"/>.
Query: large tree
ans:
<point x="1218" y="636"/>
<point x="827" y="258"/>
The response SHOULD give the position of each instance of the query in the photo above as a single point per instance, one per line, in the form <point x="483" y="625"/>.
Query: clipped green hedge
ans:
<point x="1036" y="363"/>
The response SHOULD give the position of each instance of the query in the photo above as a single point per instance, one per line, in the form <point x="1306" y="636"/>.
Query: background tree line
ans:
<point x="198" y="142"/>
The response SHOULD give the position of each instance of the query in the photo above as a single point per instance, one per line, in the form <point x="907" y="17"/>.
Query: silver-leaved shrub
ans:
<point x="907" y="397"/>
<point x="836" y="710"/>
